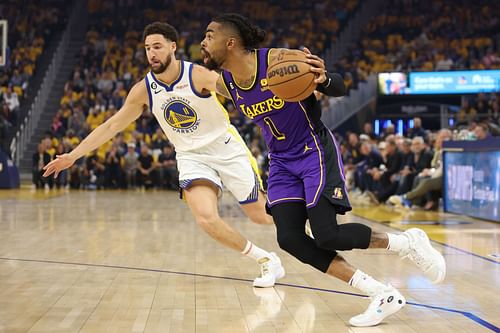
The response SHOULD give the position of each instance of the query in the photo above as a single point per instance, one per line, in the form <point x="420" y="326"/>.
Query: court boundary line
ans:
<point x="466" y="314"/>
<point x="435" y="241"/>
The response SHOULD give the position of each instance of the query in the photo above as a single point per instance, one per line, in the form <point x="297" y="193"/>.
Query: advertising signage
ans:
<point x="443" y="83"/>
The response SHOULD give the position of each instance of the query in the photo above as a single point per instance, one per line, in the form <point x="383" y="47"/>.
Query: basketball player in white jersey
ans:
<point x="209" y="150"/>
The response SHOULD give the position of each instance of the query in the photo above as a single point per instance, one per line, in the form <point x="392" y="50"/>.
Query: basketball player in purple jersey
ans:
<point x="306" y="178"/>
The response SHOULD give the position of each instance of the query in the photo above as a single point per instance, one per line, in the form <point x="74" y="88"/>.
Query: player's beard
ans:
<point x="210" y="62"/>
<point x="163" y="65"/>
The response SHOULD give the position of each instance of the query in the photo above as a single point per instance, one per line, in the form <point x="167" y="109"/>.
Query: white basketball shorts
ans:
<point x="225" y="162"/>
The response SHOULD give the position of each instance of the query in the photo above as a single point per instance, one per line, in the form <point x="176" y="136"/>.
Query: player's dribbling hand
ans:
<point x="61" y="162"/>
<point x="317" y="66"/>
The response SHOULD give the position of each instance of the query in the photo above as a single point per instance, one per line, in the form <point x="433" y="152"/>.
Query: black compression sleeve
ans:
<point x="333" y="86"/>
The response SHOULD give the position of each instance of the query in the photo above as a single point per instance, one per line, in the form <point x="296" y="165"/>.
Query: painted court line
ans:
<point x="466" y="314"/>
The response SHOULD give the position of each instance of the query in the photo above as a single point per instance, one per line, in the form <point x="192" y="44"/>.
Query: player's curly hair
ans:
<point x="251" y="35"/>
<point x="161" y="28"/>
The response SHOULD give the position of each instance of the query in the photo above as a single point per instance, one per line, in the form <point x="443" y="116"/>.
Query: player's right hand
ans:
<point x="60" y="163"/>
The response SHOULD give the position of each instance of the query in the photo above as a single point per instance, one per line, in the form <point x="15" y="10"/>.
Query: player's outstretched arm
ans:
<point x="207" y="80"/>
<point x="130" y="111"/>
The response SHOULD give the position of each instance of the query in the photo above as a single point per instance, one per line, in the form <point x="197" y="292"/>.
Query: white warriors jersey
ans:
<point x="189" y="119"/>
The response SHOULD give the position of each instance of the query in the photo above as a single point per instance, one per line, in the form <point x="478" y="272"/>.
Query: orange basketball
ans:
<point x="289" y="76"/>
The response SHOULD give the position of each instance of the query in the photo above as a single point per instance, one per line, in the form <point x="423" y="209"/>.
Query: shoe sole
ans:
<point x="441" y="274"/>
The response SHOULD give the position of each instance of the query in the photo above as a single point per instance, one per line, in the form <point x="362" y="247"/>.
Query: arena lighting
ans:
<point x="400" y="126"/>
<point x="387" y="123"/>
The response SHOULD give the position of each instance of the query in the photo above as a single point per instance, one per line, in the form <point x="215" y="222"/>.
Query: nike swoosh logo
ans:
<point x="157" y="91"/>
<point x="227" y="140"/>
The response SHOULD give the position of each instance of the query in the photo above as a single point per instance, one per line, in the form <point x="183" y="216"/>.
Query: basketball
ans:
<point x="289" y="76"/>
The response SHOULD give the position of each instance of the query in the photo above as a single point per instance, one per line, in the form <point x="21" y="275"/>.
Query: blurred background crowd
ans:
<point x="399" y="167"/>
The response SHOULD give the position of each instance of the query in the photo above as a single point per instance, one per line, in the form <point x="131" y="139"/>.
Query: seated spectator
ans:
<point x="368" y="130"/>
<point x="7" y="115"/>
<point x="481" y="132"/>
<point x="420" y="159"/>
<point x="387" y="179"/>
<point x="40" y="159"/>
<point x="169" y="175"/>
<point x="130" y="163"/>
<point x="364" y="169"/>
<point x="158" y="140"/>
<point x="467" y="114"/>
<point x="146" y="169"/>
<point x="353" y="148"/>
<point x="113" y="171"/>
<point x="93" y="173"/>
<point x="95" y="117"/>
<point x="429" y="182"/>
<point x="417" y="129"/>
<point x="12" y="100"/>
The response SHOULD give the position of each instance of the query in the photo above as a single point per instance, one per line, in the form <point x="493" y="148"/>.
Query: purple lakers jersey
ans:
<point x="286" y="126"/>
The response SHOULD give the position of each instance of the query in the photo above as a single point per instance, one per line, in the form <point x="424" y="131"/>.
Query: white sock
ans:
<point x="366" y="283"/>
<point x="397" y="243"/>
<point x="253" y="251"/>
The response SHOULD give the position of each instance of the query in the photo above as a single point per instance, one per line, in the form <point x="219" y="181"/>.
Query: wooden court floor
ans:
<point x="132" y="261"/>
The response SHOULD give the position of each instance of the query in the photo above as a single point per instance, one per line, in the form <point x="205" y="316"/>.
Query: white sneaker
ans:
<point x="427" y="258"/>
<point x="383" y="304"/>
<point x="271" y="270"/>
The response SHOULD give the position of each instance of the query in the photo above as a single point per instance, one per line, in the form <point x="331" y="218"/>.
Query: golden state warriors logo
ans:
<point x="181" y="116"/>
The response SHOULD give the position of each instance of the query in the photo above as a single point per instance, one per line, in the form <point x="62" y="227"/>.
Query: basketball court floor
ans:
<point x="132" y="261"/>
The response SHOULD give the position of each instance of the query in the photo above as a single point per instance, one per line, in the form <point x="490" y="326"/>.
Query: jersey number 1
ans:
<point x="276" y="133"/>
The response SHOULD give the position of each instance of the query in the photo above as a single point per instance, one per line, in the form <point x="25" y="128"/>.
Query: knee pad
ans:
<point x="344" y="237"/>
<point x="290" y="242"/>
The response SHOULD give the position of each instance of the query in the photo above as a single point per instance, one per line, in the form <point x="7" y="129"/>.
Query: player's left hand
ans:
<point x="317" y="66"/>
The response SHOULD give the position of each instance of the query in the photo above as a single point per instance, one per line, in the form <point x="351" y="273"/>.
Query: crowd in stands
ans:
<point x="426" y="35"/>
<point x="483" y="108"/>
<point x="30" y="25"/>
<point x="401" y="169"/>
<point x="387" y="168"/>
